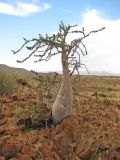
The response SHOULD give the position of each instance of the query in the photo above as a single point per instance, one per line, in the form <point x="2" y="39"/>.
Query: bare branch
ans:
<point x="25" y="43"/>
<point x="85" y="67"/>
<point x="45" y="47"/>
<point x="28" y="56"/>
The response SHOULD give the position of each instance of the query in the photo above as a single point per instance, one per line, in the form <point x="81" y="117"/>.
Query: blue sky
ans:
<point x="28" y="18"/>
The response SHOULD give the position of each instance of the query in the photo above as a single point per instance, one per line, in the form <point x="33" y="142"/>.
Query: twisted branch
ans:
<point x="46" y="47"/>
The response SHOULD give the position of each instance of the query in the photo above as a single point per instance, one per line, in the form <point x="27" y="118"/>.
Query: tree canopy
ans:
<point x="45" y="47"/>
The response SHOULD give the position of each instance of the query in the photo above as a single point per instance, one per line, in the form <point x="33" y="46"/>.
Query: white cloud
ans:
<point x="22" y="9"/>
<point x="103" y="47"/>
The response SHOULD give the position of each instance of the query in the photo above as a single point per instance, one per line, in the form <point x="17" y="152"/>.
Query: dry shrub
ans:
<point x="7" y="83"/>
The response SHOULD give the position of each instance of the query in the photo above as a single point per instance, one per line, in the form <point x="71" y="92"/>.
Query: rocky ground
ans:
<point x="92" y="132"/>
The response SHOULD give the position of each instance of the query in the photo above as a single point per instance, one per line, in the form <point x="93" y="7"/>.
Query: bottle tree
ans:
<point x="45" y="47"/>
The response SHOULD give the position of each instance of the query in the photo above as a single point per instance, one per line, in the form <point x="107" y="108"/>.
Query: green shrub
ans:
<point x="33" y="110"/>
<point x="38" y="114"/>
<point x="39" y="105"/>
<point x="102" y="95"/>
<point x="110" y="89"/>
<point x="7" y="83"/>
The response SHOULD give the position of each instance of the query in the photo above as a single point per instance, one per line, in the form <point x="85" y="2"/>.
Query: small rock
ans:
<point x="118" y="149"/>
<point x="3" y="140"/>
<point x="15" y="98"/>
<point x="87" y="155"/>
<point x="13" y="131"/>
<point x="8" y="113"/>
<point x="1" y="115"/>
<point x="116" y="157"/>
<point x="2" y="130"/>
<point x="26" y="121"/>
<point x="2" y="158"/>
<point x="3" y="121"/>
<point x="9" y="100"/>
<point x="10" y="150"/>
<point x="24" y="157"/>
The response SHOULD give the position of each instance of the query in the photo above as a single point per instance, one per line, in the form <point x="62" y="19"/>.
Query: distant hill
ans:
<point x="99" y="73"/>
<point x="22" y="71"/>
<point x="8" y="69"/>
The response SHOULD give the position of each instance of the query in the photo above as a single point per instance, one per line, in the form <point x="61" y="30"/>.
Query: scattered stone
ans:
<point x="117" y="149"/>
<point x="26" y="121"/>
<point x="1" y="115"/>
<point x="24" y="157"/>
<point x="8" y="113"/>
<point x="87" y="155"/>
<point x="15" y="98"/>
<point x="2" y="130"/>
<point x="2" y="121"/>
<point x="3" y="140"/>
<point x="10" y="150"/>
<point x="2" y="158"/>
<point x="13" y="159"/>
<point x="13" y="131"/>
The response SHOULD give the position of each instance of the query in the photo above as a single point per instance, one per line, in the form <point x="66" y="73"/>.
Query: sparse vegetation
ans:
<point x="91" y="132"/>
<point x="45" y="47"/>
<point x="7" y="83"/>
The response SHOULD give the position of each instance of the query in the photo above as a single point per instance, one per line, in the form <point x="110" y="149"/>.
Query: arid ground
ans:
<point x="92" y="132"/>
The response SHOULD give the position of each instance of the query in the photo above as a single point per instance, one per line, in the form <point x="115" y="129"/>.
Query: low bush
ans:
<point x="7" y="83"/>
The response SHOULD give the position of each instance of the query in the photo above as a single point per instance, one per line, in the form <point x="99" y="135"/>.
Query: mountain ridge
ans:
<point x="8" y="69"/>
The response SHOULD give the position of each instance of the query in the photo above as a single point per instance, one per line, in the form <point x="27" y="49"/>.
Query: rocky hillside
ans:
<point x="8" y="69"/>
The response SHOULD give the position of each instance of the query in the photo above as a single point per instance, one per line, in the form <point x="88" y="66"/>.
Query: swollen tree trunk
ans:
<point x="62" y="106"/>
<point x="48" y="46"/>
